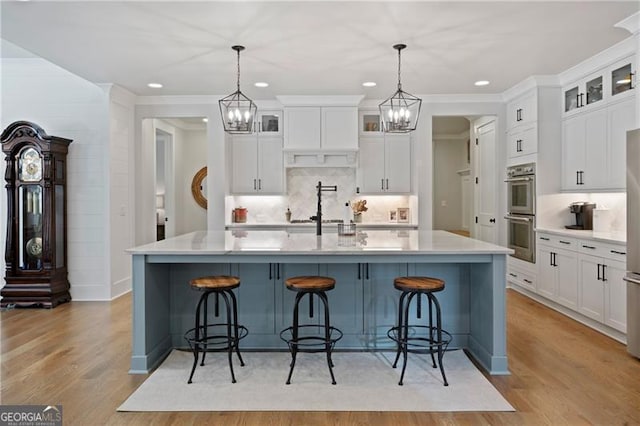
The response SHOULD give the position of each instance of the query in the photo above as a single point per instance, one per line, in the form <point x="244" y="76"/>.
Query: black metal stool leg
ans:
<point x="293" y="346"/>
<point x="405" y="341"/>
<point x="439" y="326"/>
<point x="327" y="333"/>
<point x="400" y="328"/>
<point x="433" y="360"/>
<point x="236" y="340"/>
<point x="229" y="336"/>
<point x="204" y="326"/>
<point x="196" y="344"/>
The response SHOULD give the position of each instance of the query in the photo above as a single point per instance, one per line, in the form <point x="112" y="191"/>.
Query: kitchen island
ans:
<point x="363" y="304"/>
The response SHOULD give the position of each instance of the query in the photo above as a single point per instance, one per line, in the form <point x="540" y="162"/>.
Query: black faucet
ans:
<point x="318" y="216"/>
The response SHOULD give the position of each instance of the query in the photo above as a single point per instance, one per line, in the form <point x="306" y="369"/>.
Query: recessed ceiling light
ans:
<point x="482" y="83"/>
<point x="155" y="85"/>
<point x="261" y="84"/>
<point x="206" y="120"/>
<point x="369" y="84"/>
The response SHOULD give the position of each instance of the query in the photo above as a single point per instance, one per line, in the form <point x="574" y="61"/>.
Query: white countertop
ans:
<point x="273" y="242"/>
<point x="607" y="237"/>
<point x="325" y="226"/>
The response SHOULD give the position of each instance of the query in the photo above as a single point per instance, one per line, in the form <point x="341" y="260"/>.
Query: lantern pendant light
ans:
<point x="238" y="112"/>
<point x="399" y="113"/>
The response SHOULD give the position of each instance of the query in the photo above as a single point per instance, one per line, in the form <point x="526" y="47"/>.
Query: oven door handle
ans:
<point x="518" y="219"/>
<point x="519" y="179"/>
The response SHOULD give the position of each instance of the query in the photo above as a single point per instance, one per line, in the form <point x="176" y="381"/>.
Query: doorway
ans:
<point x="452" y="189"/>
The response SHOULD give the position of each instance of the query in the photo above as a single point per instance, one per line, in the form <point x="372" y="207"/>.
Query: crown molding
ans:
<point x="631" y="24"/>
<point x="329" y="100"/>
<point x="529" y="83"/>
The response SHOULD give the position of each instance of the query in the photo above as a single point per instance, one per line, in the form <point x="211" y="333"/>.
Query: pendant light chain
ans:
<point x="399" y="62"/>
<point x="238" y="69"/>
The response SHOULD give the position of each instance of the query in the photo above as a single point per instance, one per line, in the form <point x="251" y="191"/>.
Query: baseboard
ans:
<point x="120" y="287"/>
<point x="602" y="328"/>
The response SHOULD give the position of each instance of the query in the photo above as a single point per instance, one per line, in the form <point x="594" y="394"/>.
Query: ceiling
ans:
<point x="312" y="48"/>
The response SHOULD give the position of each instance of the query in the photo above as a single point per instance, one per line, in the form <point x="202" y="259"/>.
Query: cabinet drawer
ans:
<point x="608" y="251"/>
<point x="558" y="241"/>
<point x="522" y="279"/>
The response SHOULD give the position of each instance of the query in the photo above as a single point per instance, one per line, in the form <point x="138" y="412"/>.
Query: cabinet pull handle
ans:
<point x="544" y="238"/>
<point x="519" y="145"/>
<point x="387" y="184"/>
<point x="581" y="177"/>
<point x="564" y="242"/>
<point x="260" y="184"/>
<point x="359" y="274"/>
<point x="367" y="265"/>
<point x="513" y="275"/>
<point x="551" y="258"/>
<point x="618" y="252"/>
<point x="254" y="184"/>
<point x="589" y="247"/>
<point x="278" y="269"/>
<point x="577" y="177"/>
<point x="270" y="271"/>
<point x="604" y="269"/>
<point x="599" y="278"/>
<point x="382" y="184"/>
<point x="527" y="281"/>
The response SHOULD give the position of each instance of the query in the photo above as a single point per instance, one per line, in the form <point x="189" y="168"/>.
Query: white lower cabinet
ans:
<point x="585" y="276"/>
<point x="603" y="291"/>
<point x="557" y="272"/>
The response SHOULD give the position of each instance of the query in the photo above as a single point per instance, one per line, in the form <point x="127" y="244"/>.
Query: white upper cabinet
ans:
<point x="269" y="123"/>
<point x="369" y="123"/>
<point x="257" y="165"/>
<point x="607" y="84"/>
<point x="522" y="110"/>
<point x="321" y="128"/>
<point x="621" y="118"/>
<point x="385" y="165"/>
<point x="522" y="140"/>
<point x="302" y="127"/>
<point x="339" y="128"/>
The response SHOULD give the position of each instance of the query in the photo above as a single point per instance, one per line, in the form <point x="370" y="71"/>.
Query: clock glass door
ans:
<point x="30" y="227"/>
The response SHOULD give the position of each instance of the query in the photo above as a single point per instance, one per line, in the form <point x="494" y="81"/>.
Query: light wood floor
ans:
<point x="78" y="354"/>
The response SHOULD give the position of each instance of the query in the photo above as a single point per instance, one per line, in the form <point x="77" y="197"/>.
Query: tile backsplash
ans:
<point x="301" y="198"/>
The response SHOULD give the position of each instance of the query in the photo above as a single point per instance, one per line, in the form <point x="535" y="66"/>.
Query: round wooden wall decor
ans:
<point x="196" y="187"/>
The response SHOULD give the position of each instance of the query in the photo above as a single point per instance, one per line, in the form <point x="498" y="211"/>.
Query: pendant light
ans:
<point x="399" y="113"/>
<point x="238" y="112"/>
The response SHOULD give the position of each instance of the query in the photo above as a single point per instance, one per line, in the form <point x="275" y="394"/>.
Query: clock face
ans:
<point x="30" y="166"/>
<point x="34" y="247"/>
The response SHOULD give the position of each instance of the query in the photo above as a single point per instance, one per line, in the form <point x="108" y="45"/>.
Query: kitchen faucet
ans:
<point x="318" y="216"/>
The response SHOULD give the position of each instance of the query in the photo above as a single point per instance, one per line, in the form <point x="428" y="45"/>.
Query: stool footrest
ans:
<point x="311" y="343"/>
<point x="216" y="336"/>
<point x="420" y="343"/>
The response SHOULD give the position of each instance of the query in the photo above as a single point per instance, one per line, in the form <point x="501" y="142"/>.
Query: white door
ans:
<point x="485" y="188"/>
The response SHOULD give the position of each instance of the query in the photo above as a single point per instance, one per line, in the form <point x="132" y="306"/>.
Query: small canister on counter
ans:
<point x="240" y="215"/>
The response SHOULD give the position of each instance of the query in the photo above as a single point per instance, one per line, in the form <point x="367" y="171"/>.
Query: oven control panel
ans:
<point x="522" y="170"/>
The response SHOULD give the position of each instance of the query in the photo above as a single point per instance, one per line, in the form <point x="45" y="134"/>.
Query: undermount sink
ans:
<point x="313" y="221"/>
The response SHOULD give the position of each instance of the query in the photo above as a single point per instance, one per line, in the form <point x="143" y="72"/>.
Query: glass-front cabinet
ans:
<point x="623" y="78"/>
<point x="35" y="252"/>
<point x="369" y="123"/>
<point x="585" y="92"/>
<point x="270" y="122"/>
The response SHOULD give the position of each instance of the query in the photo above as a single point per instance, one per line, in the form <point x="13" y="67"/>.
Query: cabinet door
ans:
<point x="522" y="110"/>
<point x="591" y="299"/>
<point x="245" y="164"/>
<point x="339" y="128"/>
<point x="595" y="150"/>
<point x="397" y="163"/>
<point x="615" y="297"/>
<point x="371" y="170"/>
<point x="621" y="117"/>
<point x="567" y="276"/>
<point x="270" y="167"/>
<point x="256" y="298"/>
<point x="269" y="123"/>
<point x="546" y="285"/>
<point x="523" y="141"/>
<point x="345" y="299"/>
<point x="573" y="154"/>
<point x="302" y="128"/>
<point x="621" y="78"/>
<point x="369" y="123"/>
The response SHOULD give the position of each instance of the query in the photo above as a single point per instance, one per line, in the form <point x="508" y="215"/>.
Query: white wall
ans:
<point x="119" y="155"/>
<point x="67" y="106"/>
<point x="190" y="156"/>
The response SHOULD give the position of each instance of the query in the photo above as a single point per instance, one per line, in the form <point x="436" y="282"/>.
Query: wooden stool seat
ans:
<point x="216" y="282"/>
<point x="310" y="283"/>
<point x="421" y="284"/>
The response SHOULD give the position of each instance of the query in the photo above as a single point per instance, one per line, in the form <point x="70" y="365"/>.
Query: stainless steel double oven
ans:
<point x="521" y="207"/>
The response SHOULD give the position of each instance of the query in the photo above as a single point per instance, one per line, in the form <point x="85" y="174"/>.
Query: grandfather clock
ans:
<point x="36" y="246"/>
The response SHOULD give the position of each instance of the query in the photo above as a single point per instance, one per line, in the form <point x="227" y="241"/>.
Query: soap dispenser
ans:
<point x="288" y="215"/>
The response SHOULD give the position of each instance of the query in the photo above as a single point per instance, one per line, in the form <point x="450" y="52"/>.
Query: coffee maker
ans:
<point x="584" y="215"/>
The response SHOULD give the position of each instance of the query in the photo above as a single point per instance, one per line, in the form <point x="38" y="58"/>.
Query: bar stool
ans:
<point x="219" y="337"/>
<point x="310" y="285"/>
<point x="433" y="339"/>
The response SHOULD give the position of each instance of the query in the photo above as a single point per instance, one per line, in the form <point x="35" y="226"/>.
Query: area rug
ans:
<point x="366" y="382"/>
